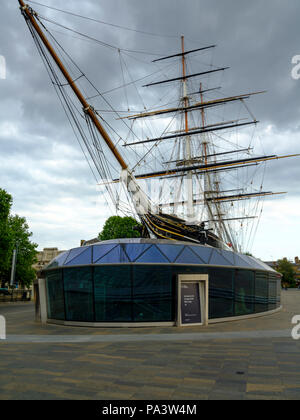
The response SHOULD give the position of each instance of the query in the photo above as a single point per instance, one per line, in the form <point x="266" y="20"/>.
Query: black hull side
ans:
<point x="169" y="227"/>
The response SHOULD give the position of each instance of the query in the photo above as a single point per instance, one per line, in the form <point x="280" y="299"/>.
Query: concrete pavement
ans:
<point x="249" y="359"/>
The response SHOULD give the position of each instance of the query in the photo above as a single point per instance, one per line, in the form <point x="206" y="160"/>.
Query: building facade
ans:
<point x="296" y="268"/>
<point x="45" y="257"/>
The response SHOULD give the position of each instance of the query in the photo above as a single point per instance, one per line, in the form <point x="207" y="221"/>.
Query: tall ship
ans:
<point x="185" y="166"/>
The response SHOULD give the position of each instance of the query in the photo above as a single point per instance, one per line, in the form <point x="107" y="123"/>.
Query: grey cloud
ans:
<point x="256" y="39"/>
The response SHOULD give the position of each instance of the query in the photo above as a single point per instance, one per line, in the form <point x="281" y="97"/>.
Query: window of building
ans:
<point x="55" y="295"/>
<point x="261" y="292"/>
<point x="152" y="294"/>
<point x="244" y="292"/>
<point x="78" y="286"/>
<point x="113" y="293"/>
<point x="221" y="292"/>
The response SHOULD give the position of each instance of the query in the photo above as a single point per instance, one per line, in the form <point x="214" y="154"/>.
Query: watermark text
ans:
<point x="2" y="328"/>
<point x="296" y="69"/>
<point x="296" y="329"/>
<point x="2" y="67"/>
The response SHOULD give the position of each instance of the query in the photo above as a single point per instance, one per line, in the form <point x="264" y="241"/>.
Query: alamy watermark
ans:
<point x="2" y="67"/>
<point x="296" y="329"/>
<point x="2" y="328"/>
<point x="296" y="69"/>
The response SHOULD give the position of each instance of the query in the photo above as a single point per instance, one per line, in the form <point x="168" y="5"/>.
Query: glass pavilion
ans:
<point x="136" y="281"/>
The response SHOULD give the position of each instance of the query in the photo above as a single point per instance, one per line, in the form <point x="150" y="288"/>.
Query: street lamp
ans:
<point x="14" y="264"/>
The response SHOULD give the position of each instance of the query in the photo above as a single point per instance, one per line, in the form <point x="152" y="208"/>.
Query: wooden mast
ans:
<point x="203" y="124"/>
<point x="188" y="152"/>
<point x="86" y="106"/>
<point x="185" y="98"/>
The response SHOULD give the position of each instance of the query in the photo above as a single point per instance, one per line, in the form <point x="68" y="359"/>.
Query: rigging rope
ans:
<point x="102" y="22"/>
<point x="104" y="44"/>
<point x="68" y="107"/>
<point x="94" y="145"/>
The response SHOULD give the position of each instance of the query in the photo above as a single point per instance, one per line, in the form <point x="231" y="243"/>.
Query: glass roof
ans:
<point x="151" y="251"/>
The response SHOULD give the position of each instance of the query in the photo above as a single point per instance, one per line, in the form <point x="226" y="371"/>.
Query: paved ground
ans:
<point x="250" y="359"/>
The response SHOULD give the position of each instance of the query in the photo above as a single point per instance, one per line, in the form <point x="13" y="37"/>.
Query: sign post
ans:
<point x="192" y="305"/>
<point x="13" y="268"/>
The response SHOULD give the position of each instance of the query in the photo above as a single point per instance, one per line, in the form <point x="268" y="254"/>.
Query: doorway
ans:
<point x="192" y="302"/>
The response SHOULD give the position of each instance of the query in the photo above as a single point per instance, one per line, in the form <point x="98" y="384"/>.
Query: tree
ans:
<point x="286" y="268"/>
<point x="5" y="234"/>
<point x="14" y="233"/>
<point x="117" y="227"/>
<point x="26" y="250"/>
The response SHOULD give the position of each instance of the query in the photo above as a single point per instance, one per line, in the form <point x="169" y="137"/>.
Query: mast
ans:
<point x="203" y="124"/>
<point x="220" y="226"/>
<point x="141" y="202"/>
<point x="188" y="155"/>
<point x="28" y="13"/>
<point x="206" y="180"/>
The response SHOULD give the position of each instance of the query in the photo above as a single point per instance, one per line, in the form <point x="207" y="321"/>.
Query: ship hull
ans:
<point x="172" y="228"/>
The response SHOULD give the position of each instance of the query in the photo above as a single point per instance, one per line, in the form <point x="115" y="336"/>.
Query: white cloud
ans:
<point x="279" y="230"/>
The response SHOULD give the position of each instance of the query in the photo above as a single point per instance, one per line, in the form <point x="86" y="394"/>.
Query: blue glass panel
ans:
<point x="100" y="250"/>
<point x="229" y="255"/>
<point x="261" y="292"/>
<point x="218" y="259"/>
<point x="116" y="255"/>
<point x="113" y="294"/>
<point x="253" y="262"/>
<point x="259" y="264"/>
<point x="188" y="257"/>
<point x="152" y="294"/>
<point x="79" y="299"/>
<point x="272" y="294"/>
<point x="278" y="299"/>
<point x="152" y="255"/>
<point x="59" y="260"/>
<point x="276" y="278"/>
<point x="74" y="253"/>
<point x="244" y="292"/>
<point x="123" y="255"/>
<point x="55" y="295"/>
<point x="203" y="252"/>
<point x="240" y="262"/>
<point x="171" y="251"/>
<point x="221" y="292"/>
<point x="84" y="258"/>
<point x="135" y="250"/>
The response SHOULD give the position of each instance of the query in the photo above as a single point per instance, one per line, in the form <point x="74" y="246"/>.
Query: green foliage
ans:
<point x="14" y="233"/>
<point x="26" y="256"/>
<point x="117" y="227"/>
<point x="286" y="268"/>
<point x="5" y="205"/>
<point x="5" y="234"/>
<point x="248" y="254"/>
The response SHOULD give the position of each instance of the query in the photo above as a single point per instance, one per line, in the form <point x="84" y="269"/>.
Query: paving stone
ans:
<point x="172" y="368"/>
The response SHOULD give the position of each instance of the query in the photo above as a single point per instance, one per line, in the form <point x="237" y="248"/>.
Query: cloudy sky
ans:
<point x="41" y="163"/>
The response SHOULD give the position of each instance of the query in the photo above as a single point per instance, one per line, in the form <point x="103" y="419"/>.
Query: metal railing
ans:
<point x="18" y="295"/>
